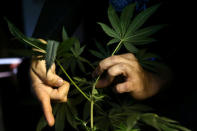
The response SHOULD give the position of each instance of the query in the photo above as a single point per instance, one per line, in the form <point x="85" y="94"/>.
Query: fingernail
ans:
<point x="59" y="82"/>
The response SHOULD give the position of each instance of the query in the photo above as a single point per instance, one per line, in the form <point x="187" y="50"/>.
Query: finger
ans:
<point x="121" y="68"/>
<point x="50" y="78"/>
<point x="104" y="82"/>
<point x="61" y="93"/>
<point x="42" y="90"/>
<point x="110" y="61"/>
<point x="47" y="109"/>
<point x="124" y="87"/>
<point x="53" y="80"/>
<point x="129" y="56"/>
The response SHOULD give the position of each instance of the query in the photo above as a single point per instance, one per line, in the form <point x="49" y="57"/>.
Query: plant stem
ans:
<point x="117" y="47"/>
<point x="92" y="95"/>
<point x="92" y="104"/>
<point x="73" y="81"/>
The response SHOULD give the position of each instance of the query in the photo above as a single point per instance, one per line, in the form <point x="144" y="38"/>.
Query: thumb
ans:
<point x="54" y="80"/>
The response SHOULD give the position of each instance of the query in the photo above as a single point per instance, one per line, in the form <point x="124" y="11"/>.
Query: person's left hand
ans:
<point x="139" y="83"/>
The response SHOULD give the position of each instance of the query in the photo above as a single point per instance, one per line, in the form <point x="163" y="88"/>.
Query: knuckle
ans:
<point x="122" y="66"/>
<point x="115" y="57"/>
<point x="50" y="79"/>
<point x="135" y="64"/>
<point x="131" y="56"/>
<point x="101" y="64"/>
<point x="67" y="84"/>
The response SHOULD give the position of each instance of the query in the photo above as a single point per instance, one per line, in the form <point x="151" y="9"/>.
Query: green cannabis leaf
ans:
<point x="26" y="40"/>
<point x="51" y="52"/>
<point x="64" y="34"/>
<point x="127" y="32"/>
<point x="102" y="52"/>
<point x="161" y="123"/>
<point x="117" y="115"/>
<point x="60" y="118"/>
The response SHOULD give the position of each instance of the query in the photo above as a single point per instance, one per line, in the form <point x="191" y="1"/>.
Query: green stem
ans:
<point x="92" y="95"/>
<point x="117" y="47"/>
<point x="92" y="104"/>
<point x="73" y="81"/>
<point x="92" y="114"/>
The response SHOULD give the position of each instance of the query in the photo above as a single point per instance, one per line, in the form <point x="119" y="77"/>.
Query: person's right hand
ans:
<point x="43" y="86"/>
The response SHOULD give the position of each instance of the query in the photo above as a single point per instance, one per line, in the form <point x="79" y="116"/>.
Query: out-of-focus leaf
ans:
<point x="178" y="127"/>
<point x="77" y="100"/>
<point x="65" y="46"/>
<point x="100" y="47"/>
<point x="112" y="41"/>
<point x="72" y="107"/>
<point x="77" y="50"/>
<point x="64" y="34"/>
<point x="99" y="97"/>
<point x="73" y="65"/>
<point x="81" y="50"/>
<point x="123" y="127"/>
<point x="102" y="122"/>
<point x="132" y="121"/>
<point x="81" y="66"/>
<point x="86" y="110"/>
<point x="52" y="47"/>
<point x="96" y="53"/>
<point x="131" y="48"/>
<point x="145" y="32"/>
<point x="151" y="120"/>
<point x="84" y="124"/>
<point x="143" y="55"/>
<point x="60" y="118"/>
<point x="108" y="30"/>
<point x="167" y="120"/>
<point x="138" y="107"/>
<point x="166" y="128"/>
<point x="41" y="124"/>
<point x="86" y="61"/>
<point x="70" y="117"/>
<point x="80" y="80"/>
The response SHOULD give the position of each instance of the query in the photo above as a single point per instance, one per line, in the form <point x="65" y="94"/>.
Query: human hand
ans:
<point x="139" y="83"/>
<point x="43" y="84"/>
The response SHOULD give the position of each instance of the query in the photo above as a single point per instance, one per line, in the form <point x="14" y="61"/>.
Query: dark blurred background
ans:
<point x="19" y="109"/>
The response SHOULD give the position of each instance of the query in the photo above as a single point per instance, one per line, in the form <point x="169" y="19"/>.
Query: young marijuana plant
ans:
<point x="103" y="110"/>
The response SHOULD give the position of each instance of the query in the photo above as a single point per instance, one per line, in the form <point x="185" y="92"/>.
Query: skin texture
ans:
<point x="139" y="83"/>
<point x="48" y="86"/>
<point x="43" y="87"/>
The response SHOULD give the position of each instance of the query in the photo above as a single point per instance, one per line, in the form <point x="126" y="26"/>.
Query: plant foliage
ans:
<point x="108" y="112"/>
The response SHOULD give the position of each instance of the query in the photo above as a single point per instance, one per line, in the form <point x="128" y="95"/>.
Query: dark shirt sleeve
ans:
<point x="55" y="15"/>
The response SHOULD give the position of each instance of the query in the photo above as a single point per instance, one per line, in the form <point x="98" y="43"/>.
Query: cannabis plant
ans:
<point x="101" y="109"/>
